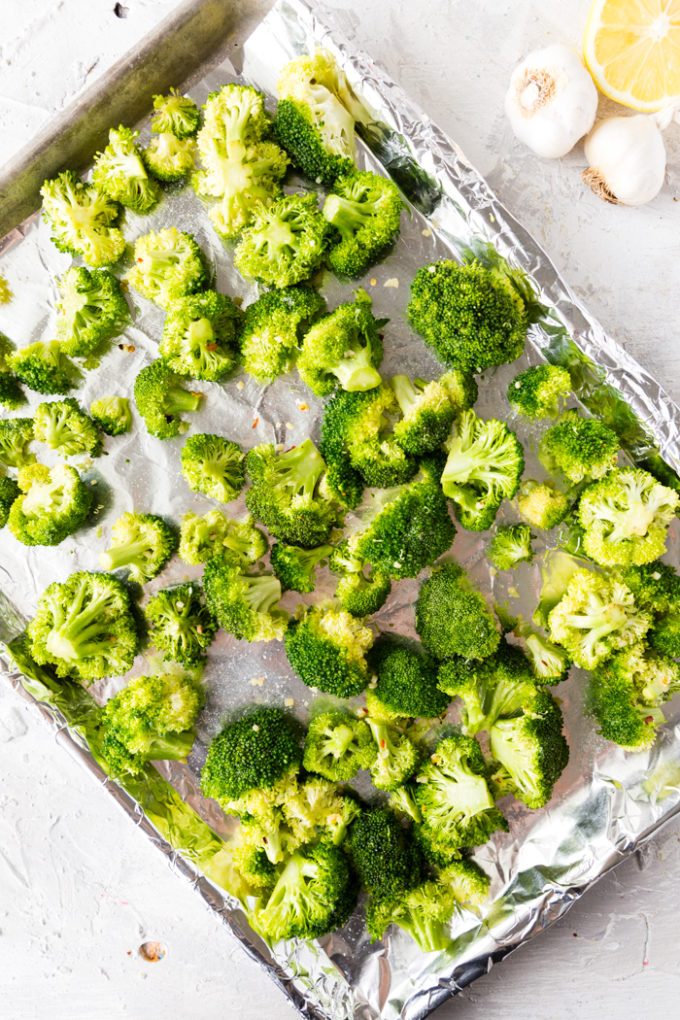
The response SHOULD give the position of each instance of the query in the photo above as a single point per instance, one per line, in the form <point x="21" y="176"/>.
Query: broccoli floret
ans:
<point x="54" y="503"/>
<point x="541" y="504"/>
<point x="143" y="543"/>
<point x="273" y="327"/>
<point x="9" y="491"/>
<point x="313" y="121"/>
<point x="397" y="757"/>
<point x="84" y="627"/>
<point x="625" y="517"/>
<point x="214" y="466"/>
<point x="44" y="367"/>
<point x="454" y="619"/>
<point x="361" y="589"/>
<point x="364" y="208"/>
<point x="581" y="448"/>
<point x="498" y="687"/>
<point x="160" y="398"/>
<point x="240" y="170"/>
<point x="213" y="533"/>
<point x="473" y="317"/>
<point x="338" y="745"/>
<point x="287" y="493"/>
<point x="151" y="719"/>
<point x="510" y="545"/>
<point x="15" y="436"/>
<point x="407" y="681"/>
<point x="175" y="113"/>
<point x="285" y="243"/>
<point x="250" y="859"/>
<point x="549" y="663"/>
<point x="62" y="425"/>
<point x="11" y="393"/>
<point x="295" y="567"/>
<point x="168" y="265"/>
<point x="180" y="625"/>
<point x="91" y="309"/>
<point x="242" y="603"/>
<point x="120" y="173"/>
<point x="112" y="415"/>
<point x="596" y="617"/>
<point x="383" y="854"/>
<point x="429" y="409"/>
<point x="484" y="466"/>
<point x="327" y="649"/>
<point x="342" y="349"/>
<point x="82" y="219"/>
<point x="626" y="693"/>
<point x="168" y="157"/>
<point x="538" y="392"/>
<point x="199" y="335"/>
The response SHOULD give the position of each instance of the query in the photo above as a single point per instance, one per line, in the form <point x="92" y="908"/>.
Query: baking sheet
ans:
<point x="549" y="856"/>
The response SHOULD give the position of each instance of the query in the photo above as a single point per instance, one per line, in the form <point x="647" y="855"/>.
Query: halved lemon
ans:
<point x="632" y="50"/>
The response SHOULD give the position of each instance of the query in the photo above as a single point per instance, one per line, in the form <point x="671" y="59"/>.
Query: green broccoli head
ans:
<point x="273" y="327"/>
<point x="250" y="858"/>
<point x="541" y="504"/>
<point x="242" y="603"/>
<point x="11" y="393"/>
<point x="407" y="681"/>
<point x="338" y="745"/>
<point x="199" y="335"/>
<point x="397" y="757"/>
<point x="91" y="310"/>
<point x="213" y="533"/>
<point x="342" y="349"/>
<point x="549" y="663"/>
<point x="82" y="219"/>
<point x="120" y="173"/>
<point x="625" y="517"/>
<point x="214" y="466"/>
<point x="361" y="589"/>
<point x="529" y="751"/>
<point x="664" y="637"/>
<point x="656" y="586"/>
<point x="539" y="392"/>
<point x="16" y="434"/>
<point x="327" y="649"/>
<point x="112" y="415"/>
<point x="428" y="410"/>
<point x="454" y="619"/>
<point x="85" y="627"/>
<point x="63" y="426"/>
<point x="364" y="209"/>
<point x="169" y="158"/>
<point x="168" y="265"/>
<point x="9" y="491"/>
<point x="581" y="448"/>
<point x="142" y="543"/>
<point x="180" y="624"/>
<point x="484" y="466"/>
<point x="295" y="567"/>
<point x="285" y="243"/>
<point x="54" y="502"/>
<point x="44" y="367"/>
<point x="510" y="545"/>
<point x="175" y="113"/>
<point x="160" y="399"/>
<point x="383" y="853"/>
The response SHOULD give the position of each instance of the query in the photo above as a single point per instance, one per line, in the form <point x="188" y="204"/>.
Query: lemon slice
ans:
<point x="632" y="50"/>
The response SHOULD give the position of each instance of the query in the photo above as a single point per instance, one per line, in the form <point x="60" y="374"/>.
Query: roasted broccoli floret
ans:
<point x="120" y="173"/>
<point x="84" y="627"/>
<point x="273" y="327"/>
<point x="596" y="617"/>
<point x="338" y="745"/>
<point x="510" y="545"/>
<point x="82" y="219"/>
<point x="540" y="391"/>
<point x="656" y="588"/>
<point x="407" y="681"/>
<point x="175" y="113"/>
<point x="285" y="243"/>
<point x="541" y="504"/>
<point x="242" y="603"/>
<point x="143" y="543"/>
<point x="287" y="493"/>
<point x="625" y="517"/>
<point x="549" y="663"/>
<point x="168" y="157"/>
<point x="9" y="490"/>
<point x="581" y="448"/>
<point x="295" y="567"/>
<point x="473" y="317"/>
<point x="361" y="589"/>
<point x="342" y="349"/>
<point x="15" y="436"/>
<point x="168" y="265"/>
<point x="160" y="398"/>
<point x="199" y="335"/>
<point x="429" y="409"/>
<point x="250" y="859"/>
<point x="327" y="649"/>
<point x="112" y="415"/>
<point x="213" y="533"/>
<point x="214" y="466"/>
<point x="364" y="208"/>
<point x="91" y="310"/>
<point x="62" y="425"/>
<point x="484" y="466"/>
<point x="180" y="625"/>
<point x="11" y="394"/>
<point x="454" y="619"/>
<point x="383" y="853"/>
<point x="44" y="367"/>
<point x="151" y="719"/>
<point x="397" y="757"/>
<point x="54" y="502"/>
<point x="313" y="121"/>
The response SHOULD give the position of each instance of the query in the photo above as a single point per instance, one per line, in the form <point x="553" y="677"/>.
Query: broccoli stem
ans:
<point x="338" y="741"/>
<point x="177" y="400"/>
<point x="405" y="393"/>
<point x="79" y="634"/>
<point x="261" y="593"/>
<point x="301" y="468"/>
<point x="355" y="373"/>
<point x="173" y="747"/>
<point x="123" y="555"/>
<point x="429" y="933"/>
<point x="347" y="216"/>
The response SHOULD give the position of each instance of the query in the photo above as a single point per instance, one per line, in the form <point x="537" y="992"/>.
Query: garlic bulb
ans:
<point x="626" y="160"/>
<point x="551" y="101"/>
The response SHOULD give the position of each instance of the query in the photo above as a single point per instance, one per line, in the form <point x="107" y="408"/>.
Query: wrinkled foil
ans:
<point x="606" y="804"/>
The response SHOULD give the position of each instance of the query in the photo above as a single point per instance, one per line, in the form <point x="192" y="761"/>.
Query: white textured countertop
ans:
<point x="80" y="887"/>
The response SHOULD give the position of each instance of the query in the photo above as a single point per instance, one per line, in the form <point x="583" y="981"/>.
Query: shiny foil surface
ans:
<point x="606" y="803"/>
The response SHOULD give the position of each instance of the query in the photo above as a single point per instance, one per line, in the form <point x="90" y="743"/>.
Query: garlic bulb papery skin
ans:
<point x="626" y="160"/>
<point x="552" y="101"/>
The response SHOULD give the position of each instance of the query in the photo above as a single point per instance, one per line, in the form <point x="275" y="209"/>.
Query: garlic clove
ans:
<point x="551" y="101"/>
<point x="626" y="160"/>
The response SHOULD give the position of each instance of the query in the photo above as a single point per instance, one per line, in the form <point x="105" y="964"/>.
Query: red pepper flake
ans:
<point x="301" y="405"/>
<point x="199" y="629"/>
<point x="255" y="423"/>
<point x="211" y="347"/>
<point x="649" y="719"/>
<point x="382" y="744"/>
<point x="140" y="260"/>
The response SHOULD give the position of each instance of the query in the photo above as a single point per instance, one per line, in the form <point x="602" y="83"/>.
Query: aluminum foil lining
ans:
<point x="607" y="802"/>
